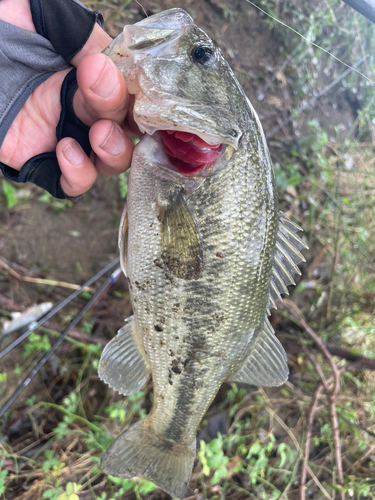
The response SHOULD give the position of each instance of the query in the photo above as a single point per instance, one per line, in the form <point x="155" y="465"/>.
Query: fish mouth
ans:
<point x="188" y="153"/>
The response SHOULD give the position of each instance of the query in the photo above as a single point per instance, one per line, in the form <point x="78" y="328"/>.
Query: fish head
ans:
<point x="185" y="91"/>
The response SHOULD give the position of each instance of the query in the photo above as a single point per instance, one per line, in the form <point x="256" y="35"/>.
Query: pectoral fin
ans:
<point x="182" y="251"/>
<point x="123" y="365"/>
<point x="267" y="363"/>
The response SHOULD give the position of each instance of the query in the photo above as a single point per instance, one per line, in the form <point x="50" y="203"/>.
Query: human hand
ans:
<point x="101" y="102"/>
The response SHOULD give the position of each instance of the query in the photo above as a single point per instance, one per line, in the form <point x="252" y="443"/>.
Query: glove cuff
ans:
<point x="43" y="170"/>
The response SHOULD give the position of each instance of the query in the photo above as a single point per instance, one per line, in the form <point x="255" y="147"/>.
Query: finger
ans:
<point x="102" y="91"/>
<point x="78" y="171"/>
<point x="112" y="146"/>
<point x="97" y="41"/>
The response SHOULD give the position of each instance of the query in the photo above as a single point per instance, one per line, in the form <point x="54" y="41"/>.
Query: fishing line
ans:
<point x="34" y="325"/>
<point x="309" y="41"/>
<point x="109" y="281"/>
<point x="141" y="6"/>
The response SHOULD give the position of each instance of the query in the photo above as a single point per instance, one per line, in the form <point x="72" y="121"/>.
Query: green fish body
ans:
<point x="205" y="248"/>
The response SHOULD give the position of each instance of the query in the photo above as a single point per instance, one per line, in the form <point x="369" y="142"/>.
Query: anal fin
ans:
<point x="267" y="363"/>
<point x="123" y="365"/>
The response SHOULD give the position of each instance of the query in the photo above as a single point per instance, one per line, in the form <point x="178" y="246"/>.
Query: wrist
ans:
<point x="18" y="13"/>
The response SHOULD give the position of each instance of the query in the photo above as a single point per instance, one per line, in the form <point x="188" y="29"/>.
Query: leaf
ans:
<point x="10" y="194"/>
<point x="219" y="474"/>
<point x="146" y="486"/>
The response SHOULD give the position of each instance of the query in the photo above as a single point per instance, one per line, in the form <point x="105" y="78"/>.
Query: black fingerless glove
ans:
<point x="63" y="27"/>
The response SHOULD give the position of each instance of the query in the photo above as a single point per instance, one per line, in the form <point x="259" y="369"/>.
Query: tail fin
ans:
<point x="166" y="463"/>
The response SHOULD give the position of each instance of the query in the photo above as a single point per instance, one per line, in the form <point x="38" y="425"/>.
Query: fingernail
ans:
<point x="107" y="83"/>
<point x="74" y="153"/>
<point x="115" y="141"/>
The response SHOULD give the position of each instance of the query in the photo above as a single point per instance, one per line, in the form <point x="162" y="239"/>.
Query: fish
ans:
<point x="24" y="319"/>
<point x="203" y="244"/>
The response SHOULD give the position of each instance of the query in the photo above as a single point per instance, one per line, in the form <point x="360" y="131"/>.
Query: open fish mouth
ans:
<point x="187" y="152"/>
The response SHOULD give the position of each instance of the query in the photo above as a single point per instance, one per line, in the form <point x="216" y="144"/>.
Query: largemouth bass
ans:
<point x="203" y="244"/>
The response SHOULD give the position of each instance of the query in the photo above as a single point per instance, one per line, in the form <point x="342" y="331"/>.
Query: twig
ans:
<point x="114" y="276"/>
<point x="310" y="422"/>
<point x="360" y="362"/>
<point x="9" y="304"/>
<point x="40" y="281"/>
<point x="293" y="309"/>
<point x="77" y="335"/>
<point x="92" y="426"/>
<point x="56" y="309"/>
<point x="299" y="449"/>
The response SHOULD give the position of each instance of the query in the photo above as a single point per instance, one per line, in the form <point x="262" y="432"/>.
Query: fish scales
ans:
<point x="198" y="245"/>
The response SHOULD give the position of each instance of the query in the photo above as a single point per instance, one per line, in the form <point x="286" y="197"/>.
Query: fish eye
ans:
<point x="202" y="55"/>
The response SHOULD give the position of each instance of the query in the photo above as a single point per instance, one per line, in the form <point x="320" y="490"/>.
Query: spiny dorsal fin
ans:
<point x="267" y="363"/>
<point x="287" y="256"/>
<point x="123" y="365"/>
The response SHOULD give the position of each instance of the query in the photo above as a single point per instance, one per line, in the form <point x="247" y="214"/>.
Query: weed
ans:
<point x="212" y="457"/>
<point x="10" y="194"/>
<point x="55" y="204"/>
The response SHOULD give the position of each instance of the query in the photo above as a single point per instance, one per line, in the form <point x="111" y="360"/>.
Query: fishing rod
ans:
<point x="109" y="281"/>
<point x="34" y="325"/>
<point x="364" y="7"/>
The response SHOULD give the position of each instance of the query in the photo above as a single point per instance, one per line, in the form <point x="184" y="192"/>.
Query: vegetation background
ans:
<point x="312" y="438"/>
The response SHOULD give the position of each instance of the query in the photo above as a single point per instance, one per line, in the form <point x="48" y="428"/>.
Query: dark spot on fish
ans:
<point x="170" y="277"/>
<point x="166" y="444"/>
<point x="220" y="255"/>
<point x="158" y="328"/>
<point x="139" y="286"/>
<point x="187" y="362"/>
<point x="162" y="342"/>
<point x="176" y="306"/>
<point x="158" y="263"/>
<point x="171" y="353"/>
<point x="176" y="370"/>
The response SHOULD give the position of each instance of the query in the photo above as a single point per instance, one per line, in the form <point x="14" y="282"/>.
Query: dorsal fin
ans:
<point x="287" y="256"/>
